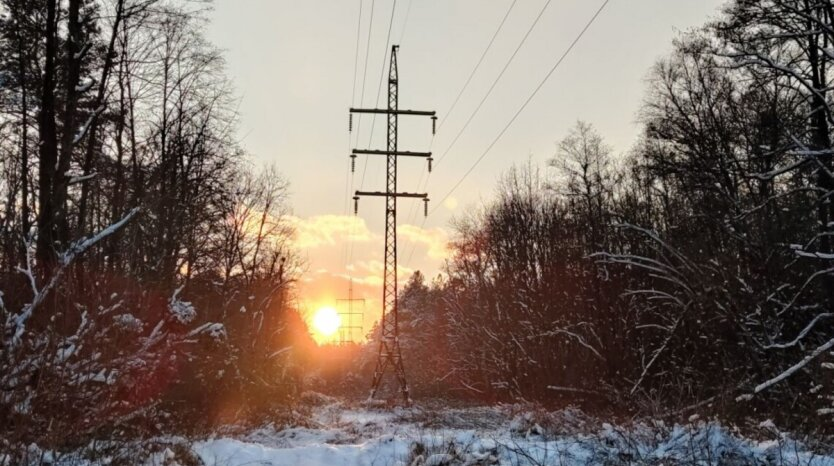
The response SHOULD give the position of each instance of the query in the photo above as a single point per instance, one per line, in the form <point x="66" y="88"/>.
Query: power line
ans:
<point x="486" y="96"/>
<point x="349" y="255"/>
<point x="353" y="93"/>
<point x="526" y="102"/>
<point x="365" y="73"/>
<point x="349" y="178"/>
<point x="405" y="22"/>
<point x="478" y="65"/>
<point x="382" y="72"/>
<point x="425" y="174"/>
<point x="378" y="92"/>
<point x="356" y="53"/>
<point x="507" y="126"/>
<point x="495" y="82"/>
<point x="373" y="121"/>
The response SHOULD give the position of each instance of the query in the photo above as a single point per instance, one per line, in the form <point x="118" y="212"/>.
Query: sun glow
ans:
<point x="326" y="322"/>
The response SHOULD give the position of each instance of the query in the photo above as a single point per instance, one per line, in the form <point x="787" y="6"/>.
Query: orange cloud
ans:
<point x="324" y="240"/>
<point x="329" y="230"/>
<point x="371" y="272"/>
<point x="436" y="240"/>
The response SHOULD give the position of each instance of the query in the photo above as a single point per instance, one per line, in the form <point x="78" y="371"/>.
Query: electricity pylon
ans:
<point x="349" y="328"/>
<point x="389" y="343"/>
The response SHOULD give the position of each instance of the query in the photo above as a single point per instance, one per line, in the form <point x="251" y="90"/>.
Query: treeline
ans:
<point x="144" y="266"/>
<point x="694" y="274"/>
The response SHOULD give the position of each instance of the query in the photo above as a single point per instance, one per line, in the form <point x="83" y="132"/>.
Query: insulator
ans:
<point x="433" y="125"/>
<point x="353" y="163"/>
<point x="426" y="207"/>
<point x="350" y="123"/>
<point x="430" y="161"/>
<point x="355" y="205"/>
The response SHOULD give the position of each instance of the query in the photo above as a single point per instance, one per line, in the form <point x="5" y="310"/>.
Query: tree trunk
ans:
<point x="92" y="143"/>
<point x="73" y="66"/>
<point x="48" y="147"/>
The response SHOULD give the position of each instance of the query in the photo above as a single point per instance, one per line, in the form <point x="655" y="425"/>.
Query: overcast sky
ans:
<point x="293" y="63"/>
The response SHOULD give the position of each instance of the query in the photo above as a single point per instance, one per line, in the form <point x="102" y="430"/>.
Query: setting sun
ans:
<point x="326" y="321"/>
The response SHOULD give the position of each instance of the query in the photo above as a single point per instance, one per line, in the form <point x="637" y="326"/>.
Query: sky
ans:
<point x="297" y="71"/>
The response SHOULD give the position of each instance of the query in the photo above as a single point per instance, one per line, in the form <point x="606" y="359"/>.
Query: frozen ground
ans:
<point x="343" y="435"/>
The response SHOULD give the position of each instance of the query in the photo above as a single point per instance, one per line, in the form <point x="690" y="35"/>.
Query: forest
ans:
<point x="148" y="271"/>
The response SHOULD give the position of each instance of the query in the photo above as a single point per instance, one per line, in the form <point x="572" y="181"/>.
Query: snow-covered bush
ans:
<point x="74" y="363"/>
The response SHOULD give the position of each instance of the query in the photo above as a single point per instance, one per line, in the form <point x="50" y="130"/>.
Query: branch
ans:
<point x="801" y="335"/>
<point x="657" y="354"/>
<point x="780" y="171"/>
<point x="796" y="367"/>
<point x="19" y="321"/>
<point x="81" y="178"/>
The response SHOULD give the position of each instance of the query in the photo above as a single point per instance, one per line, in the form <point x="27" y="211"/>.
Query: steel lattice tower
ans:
<point x="390" y="355"/>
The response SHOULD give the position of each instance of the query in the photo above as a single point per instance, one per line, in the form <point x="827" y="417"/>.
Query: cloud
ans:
<point x="435" y="239"/>
<point x="330" y="272"/>
<point x="329" y="230"/>
<point x="371" y="272"/>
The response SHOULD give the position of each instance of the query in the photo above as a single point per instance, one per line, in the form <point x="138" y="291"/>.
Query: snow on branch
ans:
<point x="814" y="255"/>
<point x="801" y="335"/>
<point x="655" y="295"/>
<point x="780" y="171"/>
<point x="745" y="59"/>
<point x="796" y="367"/>
<point x="280" y="352"/>
<point x="78" y="56"/>
<point x="572" y="335"/>
<point x="85" y="86"/>
<point x="81" y="179"/>
<point x="660" y="271"/>
<point x="86" y="128"/>
<point x="814" y="276"/>
<point x="654" y="236"/>
<point x="81" y="246"/>
<point x="557" y="388"/>
<point x="18" y="321"/>
<point x="215" y="330"/>
<point x="657" y="354"/>
<point x="803" y="151"/>
<point x="181" y="311"/>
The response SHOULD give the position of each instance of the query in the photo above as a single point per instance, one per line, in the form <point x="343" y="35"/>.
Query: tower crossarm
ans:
<point x="382" y="194"/>
<point x="393" y="111"/>
<point x="397" y="153"/>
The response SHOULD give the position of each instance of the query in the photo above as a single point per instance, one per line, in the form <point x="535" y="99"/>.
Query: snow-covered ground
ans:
<point x="335" y="433"/>
<point x="342" y="435"/>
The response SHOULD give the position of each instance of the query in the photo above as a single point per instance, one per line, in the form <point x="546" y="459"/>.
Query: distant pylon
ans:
<point x="352" y="318"/>
<point x="389" y="342"/>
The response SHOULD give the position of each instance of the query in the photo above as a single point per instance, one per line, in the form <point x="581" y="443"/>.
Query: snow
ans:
<point x="81" y="178"/>
<point x="420" y="436"/>
<point x="128" y="322"/>
<point x="214" y="330"/>
<point x="85" y="85"/>
<point x="336" y="434"/>
<point x="235" y="452"/>
<point x="64" y="353"/>
<point x="86" y="127"/>
<point x="182" y="311"/>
